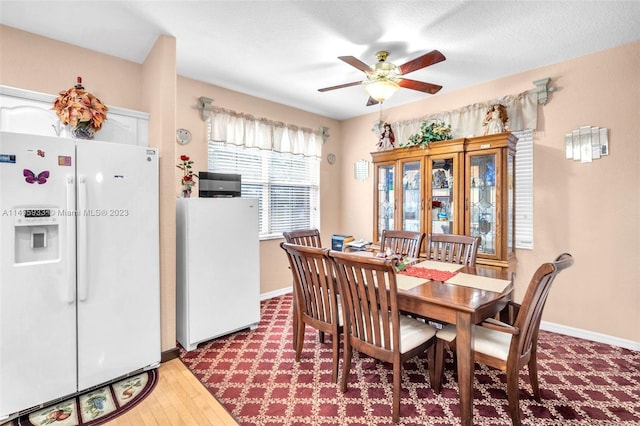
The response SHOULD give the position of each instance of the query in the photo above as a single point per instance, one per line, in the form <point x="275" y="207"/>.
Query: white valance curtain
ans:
<point x="522" y="110"/>
<point x="251" y="132"/>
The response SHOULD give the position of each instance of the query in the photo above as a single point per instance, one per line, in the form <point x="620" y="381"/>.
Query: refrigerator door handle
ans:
<point x="82" y="239"/>
<point x="71" y="239"/>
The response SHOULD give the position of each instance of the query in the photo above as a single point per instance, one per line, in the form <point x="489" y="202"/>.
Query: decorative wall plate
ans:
<point x="183" y="136"/>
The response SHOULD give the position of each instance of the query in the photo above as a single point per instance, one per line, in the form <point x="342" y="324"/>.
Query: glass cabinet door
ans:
<point x="411" y="196"/>
<point x="482" y="201"/>
<point x="385" y="198"/>
<point x="443" y="193"/>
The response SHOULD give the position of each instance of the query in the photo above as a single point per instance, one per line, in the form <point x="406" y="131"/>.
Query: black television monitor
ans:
<point x="211" y="185"/>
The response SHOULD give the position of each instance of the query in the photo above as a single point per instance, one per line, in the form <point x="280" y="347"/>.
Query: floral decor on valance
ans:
<point x="251" y="132"/>
<point x="429" y="132"/>
<point x="467" y="121"/>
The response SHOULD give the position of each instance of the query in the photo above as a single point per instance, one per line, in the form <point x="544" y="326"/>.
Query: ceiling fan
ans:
<point x="384" y="78"/>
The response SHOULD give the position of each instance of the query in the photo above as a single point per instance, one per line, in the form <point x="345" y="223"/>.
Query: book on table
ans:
<point x="358" y="244"/>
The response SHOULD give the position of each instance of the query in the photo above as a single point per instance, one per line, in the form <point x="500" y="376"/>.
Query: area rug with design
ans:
<point x="97" y="406"/>
<point x="255" y="376"/>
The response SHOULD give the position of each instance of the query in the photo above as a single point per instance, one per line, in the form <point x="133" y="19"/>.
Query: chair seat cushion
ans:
<point x="486" y="341"/>
<point x="413" y="333"/>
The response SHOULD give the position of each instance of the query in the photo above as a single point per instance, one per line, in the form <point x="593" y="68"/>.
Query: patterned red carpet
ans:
<point x="254" y="374"/>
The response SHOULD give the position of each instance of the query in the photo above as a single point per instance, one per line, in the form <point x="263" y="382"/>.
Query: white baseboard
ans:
<point x="276" y="293"/>
<point x="590" y="335"/>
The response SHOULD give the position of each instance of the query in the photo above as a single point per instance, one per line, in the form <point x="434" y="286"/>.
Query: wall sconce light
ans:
<point x="586" y="144"/>
<point x="361" y="169"/>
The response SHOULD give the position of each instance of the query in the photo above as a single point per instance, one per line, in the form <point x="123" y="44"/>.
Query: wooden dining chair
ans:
<point x="452" y="248"/>
<point x="303" y="237"/>
<point x="373" y="325"/>
<point x="316" y="297"/>
<point x="406" y="243"/>
<point x="509" y="347"/>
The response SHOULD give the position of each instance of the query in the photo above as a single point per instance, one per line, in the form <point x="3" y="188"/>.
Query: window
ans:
<point x="524" y="189"/>
<point x="286" y="185"/>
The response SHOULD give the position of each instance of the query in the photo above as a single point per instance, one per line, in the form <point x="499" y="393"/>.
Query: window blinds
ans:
<point x="524" y="189"/>
<point x="286" y="185"/>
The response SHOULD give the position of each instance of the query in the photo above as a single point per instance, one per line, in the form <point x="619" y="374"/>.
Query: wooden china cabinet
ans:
<point x="459" y="186"/>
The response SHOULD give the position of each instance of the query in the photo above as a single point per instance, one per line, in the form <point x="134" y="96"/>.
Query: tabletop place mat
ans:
<point x="479" y="282"/>
<point x="439" y="266"/>
<point x="427" y="273"/>
<point x="406" y="282"/>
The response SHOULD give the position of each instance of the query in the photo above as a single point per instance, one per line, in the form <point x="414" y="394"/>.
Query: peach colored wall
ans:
<point x="32" y="62"/>
<point x="590" y="210"/>
<point x="274" y="272"/>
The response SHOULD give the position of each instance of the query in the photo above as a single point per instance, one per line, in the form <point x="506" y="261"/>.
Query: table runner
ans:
<point x="424" y="271"/>
<point x="427" y="273"/>
<point x="448" y="273"/>
<point x="439" y="266"/>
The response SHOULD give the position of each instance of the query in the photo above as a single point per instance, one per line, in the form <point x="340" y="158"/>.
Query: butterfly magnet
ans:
<point x="31" y="177"/>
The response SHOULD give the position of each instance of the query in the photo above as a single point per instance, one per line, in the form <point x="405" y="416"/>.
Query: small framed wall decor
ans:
<point x="586" y="144"/>
<point x="361" y="170"/>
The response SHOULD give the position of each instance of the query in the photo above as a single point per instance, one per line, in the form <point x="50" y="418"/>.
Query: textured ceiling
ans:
<point x="284" y="51"/>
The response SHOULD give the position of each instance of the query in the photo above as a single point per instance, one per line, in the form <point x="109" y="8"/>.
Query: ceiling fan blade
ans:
<point x="372" y="101"/>
<point x="340" y="86"/>
<point x="355" y="62"/>
<point x="420" y="62"/>
<point x="420" y="86"/>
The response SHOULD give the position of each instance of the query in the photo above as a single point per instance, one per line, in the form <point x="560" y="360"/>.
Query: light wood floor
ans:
<point x="178" y="399"/>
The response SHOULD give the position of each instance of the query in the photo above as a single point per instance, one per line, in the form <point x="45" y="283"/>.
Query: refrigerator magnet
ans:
<point x="64" y="160"/>
<point x="8" y="158"/>
<point x="31" y="177"/>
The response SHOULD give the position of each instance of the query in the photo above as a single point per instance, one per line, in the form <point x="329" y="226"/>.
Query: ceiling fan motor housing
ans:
<point x="383" y="70"/>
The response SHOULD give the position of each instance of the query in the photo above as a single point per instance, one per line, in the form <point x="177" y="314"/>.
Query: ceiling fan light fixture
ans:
<point x="384" y="78"/>
<point x="381" y="90"/>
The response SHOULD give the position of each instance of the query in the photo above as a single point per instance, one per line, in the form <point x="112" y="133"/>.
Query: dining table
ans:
<point x="454" y="294"/>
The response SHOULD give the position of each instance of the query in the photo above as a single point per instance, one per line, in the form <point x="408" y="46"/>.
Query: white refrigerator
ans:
<point x="79" y="266"/>
<point x="217" y="268"/>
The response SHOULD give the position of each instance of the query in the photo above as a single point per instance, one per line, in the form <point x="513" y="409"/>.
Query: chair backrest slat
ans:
<point x="406" y="243"/>
<point x="303" y="237"/>
<point x="452" y="248"/>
